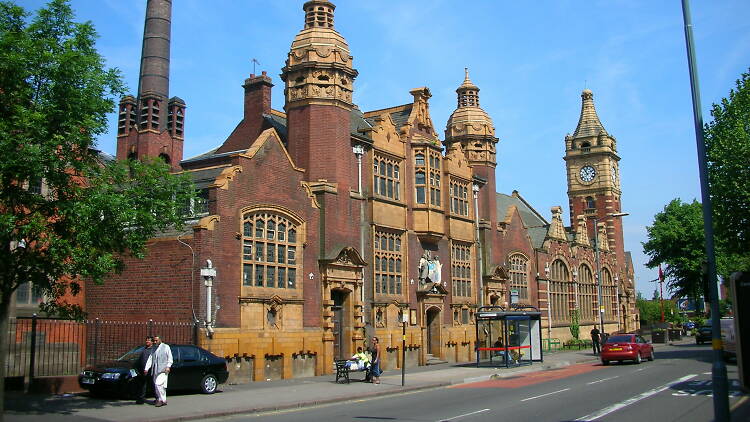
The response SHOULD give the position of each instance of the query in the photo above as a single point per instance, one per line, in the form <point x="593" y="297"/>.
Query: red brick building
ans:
<point x="325" y="225"/>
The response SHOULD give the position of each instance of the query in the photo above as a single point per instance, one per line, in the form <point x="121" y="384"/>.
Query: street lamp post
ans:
<point x="598" y="262"/>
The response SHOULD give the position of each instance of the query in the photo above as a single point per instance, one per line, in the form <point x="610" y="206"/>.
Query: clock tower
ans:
<point x="594" y="188"/>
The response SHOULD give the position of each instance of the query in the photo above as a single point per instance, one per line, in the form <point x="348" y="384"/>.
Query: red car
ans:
<point x="622" y="347"/>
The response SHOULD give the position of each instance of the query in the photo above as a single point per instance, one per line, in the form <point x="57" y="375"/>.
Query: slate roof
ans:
<point x="399" y="114"/>
<point x="536" y="225"/>
<point x="205" y="177"/>
<point x="278" y="123"/>
<point x="357" y="124"/>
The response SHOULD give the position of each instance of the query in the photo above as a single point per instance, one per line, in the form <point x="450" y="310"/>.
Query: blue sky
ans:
<point x="530" y="59"/>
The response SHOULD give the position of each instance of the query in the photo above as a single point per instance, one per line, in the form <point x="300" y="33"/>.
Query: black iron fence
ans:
<point x="53" y="347"/>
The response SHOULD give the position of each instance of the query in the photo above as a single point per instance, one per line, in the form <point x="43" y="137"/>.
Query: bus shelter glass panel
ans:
<point x="518" y="329"/>
<point x="491" y="337"/>
<point x="508" y="338"/>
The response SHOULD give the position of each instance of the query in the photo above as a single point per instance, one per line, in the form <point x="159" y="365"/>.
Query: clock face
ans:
<point x="587" y="173"/>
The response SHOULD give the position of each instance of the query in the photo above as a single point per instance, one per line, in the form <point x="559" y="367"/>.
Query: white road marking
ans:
<point x="461" y="416"/>
<point x="602" y="380"/>
<point x="637" y="370"/>
<point x="544" y="395"/>
<point x="706" y="373"/>
<point x="617" y="406"/>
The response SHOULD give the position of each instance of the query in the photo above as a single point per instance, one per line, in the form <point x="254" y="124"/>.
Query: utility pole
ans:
<point x="661" y="293"/>
<point x="719" y="368"/>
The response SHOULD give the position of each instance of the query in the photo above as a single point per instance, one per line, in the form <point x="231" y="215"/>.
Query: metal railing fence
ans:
<point x="40" y="346"/>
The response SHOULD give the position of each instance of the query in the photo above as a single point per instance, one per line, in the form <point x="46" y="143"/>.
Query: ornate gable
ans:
<point x="420" y="113"/>
<point x="456" y="163"/>
<point x="269" y="136"/>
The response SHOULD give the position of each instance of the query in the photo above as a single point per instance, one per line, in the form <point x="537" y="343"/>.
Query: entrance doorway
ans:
<point x="433" y="331"/>
<point x="340" y="324"/>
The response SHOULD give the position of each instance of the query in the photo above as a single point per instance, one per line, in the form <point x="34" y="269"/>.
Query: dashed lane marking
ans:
<point x="464" y="415"/>
<point x="602" y="380"/>
<point x="617" y="406"/>
<point x="544" y="395"/>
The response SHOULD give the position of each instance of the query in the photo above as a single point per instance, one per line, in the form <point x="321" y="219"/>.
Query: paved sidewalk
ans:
<point x="265" y="396"/>
<point x="283" y="394"/>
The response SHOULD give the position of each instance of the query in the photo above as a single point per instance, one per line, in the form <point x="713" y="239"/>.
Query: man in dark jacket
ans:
<point x="595" y="340"/>
<point x="143" y="376"/>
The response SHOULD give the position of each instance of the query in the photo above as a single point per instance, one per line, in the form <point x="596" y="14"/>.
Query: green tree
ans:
<point x="575" y="326"/>
<point x="648" y="309"/>
<point x="676" y="240"/>
<point x="727" y="140"/>
<point x="55" y="93"/>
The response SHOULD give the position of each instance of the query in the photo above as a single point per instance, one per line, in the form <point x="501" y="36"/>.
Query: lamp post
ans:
<point x="598" y="262"/>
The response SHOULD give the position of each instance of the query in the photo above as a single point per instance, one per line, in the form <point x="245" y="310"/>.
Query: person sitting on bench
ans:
<point x="359" y="362"/>
<point x="499" y="344"/>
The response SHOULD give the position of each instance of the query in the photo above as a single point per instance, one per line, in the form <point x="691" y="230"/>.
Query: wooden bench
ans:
<point x="342" y="371"/>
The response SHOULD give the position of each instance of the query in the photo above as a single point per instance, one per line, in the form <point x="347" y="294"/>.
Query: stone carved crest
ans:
<point x="430" y="268"/>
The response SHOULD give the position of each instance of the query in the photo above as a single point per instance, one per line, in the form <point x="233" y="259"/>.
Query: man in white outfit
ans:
<point x="161" y="359"/>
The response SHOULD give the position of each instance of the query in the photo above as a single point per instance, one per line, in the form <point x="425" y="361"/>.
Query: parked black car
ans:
<point x="703" y="334"/>
<point x="194" y="368"/>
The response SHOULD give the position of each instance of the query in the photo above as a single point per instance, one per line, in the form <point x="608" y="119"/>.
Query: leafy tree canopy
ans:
<point x="676" y="240"/>
<point x="727" y="140"/>
<point x="67" y="211"/>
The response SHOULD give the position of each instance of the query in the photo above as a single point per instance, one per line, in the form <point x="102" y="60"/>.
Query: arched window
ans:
<point x="559" y="291"/>
<point x="590" y="202"/>
<point x="609" y="295"/>
<point x="269" y="251"/>
<point x="587" y="294"/>
<point x="518" y="268"/>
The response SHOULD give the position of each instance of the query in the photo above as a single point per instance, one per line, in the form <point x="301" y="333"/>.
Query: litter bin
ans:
<point x="658" y="336"/>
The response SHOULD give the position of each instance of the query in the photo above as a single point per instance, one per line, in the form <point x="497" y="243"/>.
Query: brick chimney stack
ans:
<point x="257" y="100"/>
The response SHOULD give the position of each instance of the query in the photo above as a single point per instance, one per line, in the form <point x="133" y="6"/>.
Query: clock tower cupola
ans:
<point x="591" y="161"/>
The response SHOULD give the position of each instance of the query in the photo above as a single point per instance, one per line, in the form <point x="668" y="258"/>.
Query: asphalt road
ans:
<point x="674" y="387"/>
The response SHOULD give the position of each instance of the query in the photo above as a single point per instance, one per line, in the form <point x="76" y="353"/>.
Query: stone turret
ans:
<point x="319" y="66"/>
<point x="472" y="126"/>
<point x="318" y="78"/>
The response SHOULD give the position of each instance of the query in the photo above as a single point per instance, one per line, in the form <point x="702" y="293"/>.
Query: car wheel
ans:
<point x="605" y="362"/>
<point x="209" y="384"/>
<point x="651" y="356"/>
<point x="638" y="358"/>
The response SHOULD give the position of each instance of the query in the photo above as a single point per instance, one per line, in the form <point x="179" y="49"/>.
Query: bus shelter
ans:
<point x="508" y="337"/>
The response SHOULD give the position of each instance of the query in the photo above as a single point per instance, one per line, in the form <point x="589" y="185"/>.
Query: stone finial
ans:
<point x="602" y="240"/>
<point x="582" y="233"/>
<point x="556" y="228"/>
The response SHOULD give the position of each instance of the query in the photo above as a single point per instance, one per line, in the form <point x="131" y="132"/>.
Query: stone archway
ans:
<point x="432" y="330"/>
<point x="342" y="307"/>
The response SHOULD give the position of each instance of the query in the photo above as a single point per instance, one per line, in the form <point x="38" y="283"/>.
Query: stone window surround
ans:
<point x="249" y="250"/>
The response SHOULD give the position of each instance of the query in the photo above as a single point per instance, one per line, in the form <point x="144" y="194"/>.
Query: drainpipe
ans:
<point x="359" y="151"/>
<point x="475" y="189"/>
<point x="208" y="273"/>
